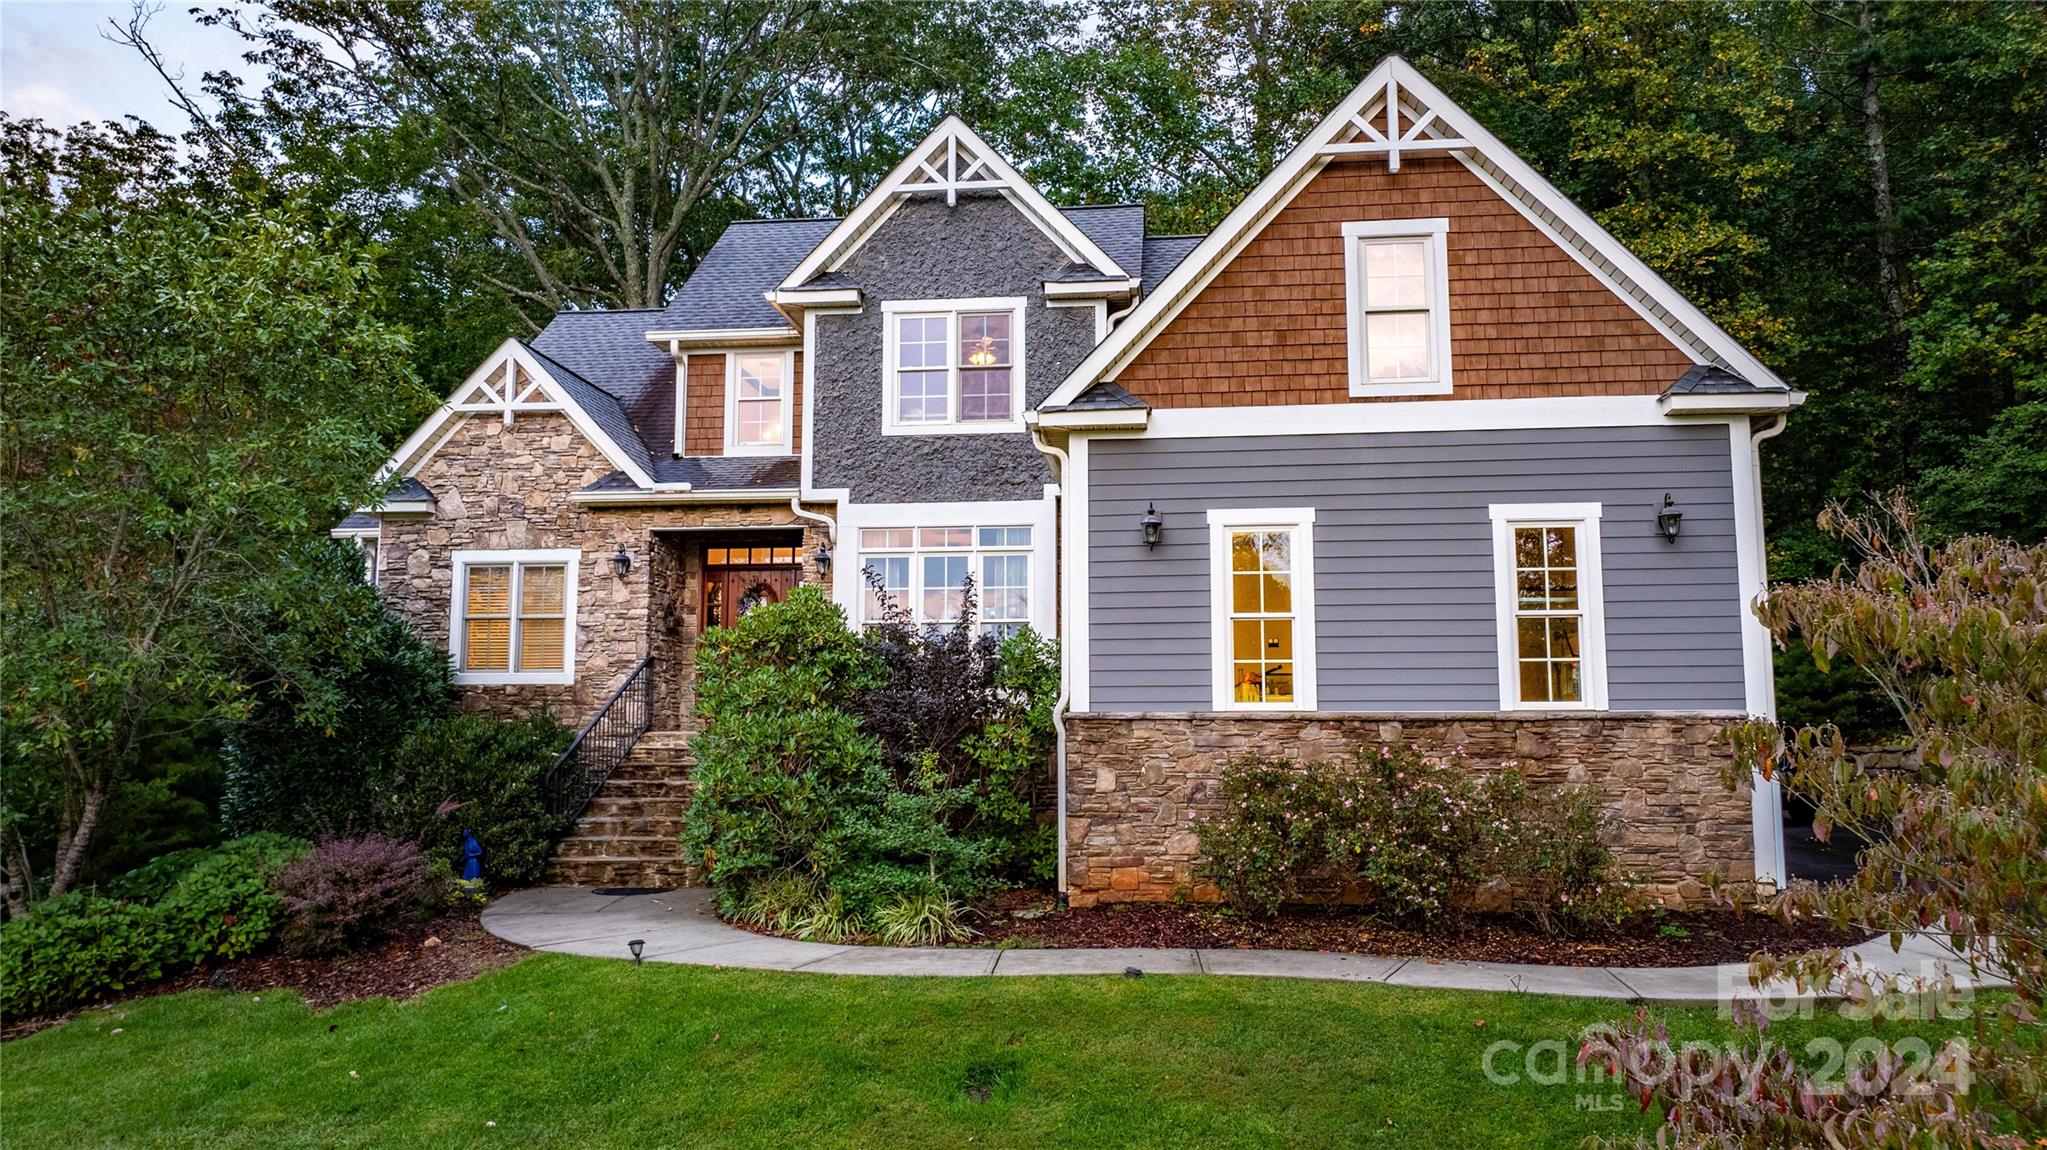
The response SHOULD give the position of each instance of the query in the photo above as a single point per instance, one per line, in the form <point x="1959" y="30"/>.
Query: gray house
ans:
<point x="1407" y="449"/>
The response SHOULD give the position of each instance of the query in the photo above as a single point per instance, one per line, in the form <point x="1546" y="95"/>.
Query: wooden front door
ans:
<point x="737" y="579"/>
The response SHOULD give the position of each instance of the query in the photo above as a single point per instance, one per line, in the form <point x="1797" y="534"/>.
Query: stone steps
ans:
<point x="627" y="834"/>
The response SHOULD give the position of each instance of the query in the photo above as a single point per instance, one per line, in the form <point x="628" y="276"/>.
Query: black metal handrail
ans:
<point x="602" y="744"/>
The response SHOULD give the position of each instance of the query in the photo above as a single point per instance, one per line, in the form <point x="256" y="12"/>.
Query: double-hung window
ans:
<point x="1398" y="306"/>
<point x="757" y="402"/>
<point x="953" y="366"/>
<point x="1552" y="627"/>
<point x="514" y="616"/>
<point x="1262" y="576"/>
<point x="924" y="570"/>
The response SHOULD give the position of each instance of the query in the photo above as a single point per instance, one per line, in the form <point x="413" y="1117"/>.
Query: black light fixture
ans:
<point x="1154" y="527"/>
<point x="1668" y="519"/>
<point x="636" y="946"/>
<point x="823" y="556"/>
<point x="622" y="562"/>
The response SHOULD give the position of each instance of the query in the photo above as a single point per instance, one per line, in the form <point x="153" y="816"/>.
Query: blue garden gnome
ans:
<point x="472" y="863"/>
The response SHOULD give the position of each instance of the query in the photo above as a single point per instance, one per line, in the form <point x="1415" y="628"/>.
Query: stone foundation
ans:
<point x="1135" y="783"/>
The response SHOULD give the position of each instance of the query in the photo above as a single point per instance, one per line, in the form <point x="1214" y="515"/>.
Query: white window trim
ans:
<point x="1300" y="521"/>
<point x="890" y="309"/>
<point x="916" y="553"/>
<point x="849" y="587"/>
<point x="1591" y="598"/>
<point x="463" y="561"/>
<point x="732" y="444"/>
<point x="1434" y="235"/>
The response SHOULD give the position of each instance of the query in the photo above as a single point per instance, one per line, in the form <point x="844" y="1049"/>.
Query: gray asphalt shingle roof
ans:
<point x="714" y="473"/>
<point x="1103" y="396"/>
<point x="1162" y="254"/>
<point x="1712" y="379"/>
<point x="602" y="407"/>
<point x="1117" y="229"/>
<point x="752" y="257"/>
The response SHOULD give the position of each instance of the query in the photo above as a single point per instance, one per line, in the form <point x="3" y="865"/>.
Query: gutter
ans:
<point x="1060" y="464"/>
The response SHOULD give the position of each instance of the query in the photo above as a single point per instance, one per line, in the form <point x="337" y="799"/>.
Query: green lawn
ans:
<point x="576" y="1052"/>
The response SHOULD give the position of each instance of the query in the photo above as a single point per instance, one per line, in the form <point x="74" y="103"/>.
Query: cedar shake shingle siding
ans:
<point x="1526" y="321"/>
<point x="703" y="429"/>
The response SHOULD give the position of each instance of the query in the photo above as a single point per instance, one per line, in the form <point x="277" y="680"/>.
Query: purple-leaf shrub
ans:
<point x="350" y="892"/>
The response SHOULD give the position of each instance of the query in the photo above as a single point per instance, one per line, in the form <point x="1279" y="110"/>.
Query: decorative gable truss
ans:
<point x="1394" y="112"/>
<point x="951" y="160"/>
<point x="514" y="381"/>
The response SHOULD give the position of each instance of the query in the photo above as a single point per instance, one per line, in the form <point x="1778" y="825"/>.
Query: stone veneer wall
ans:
<point x="502" y="487"/>
<point x="1135" y="783"/>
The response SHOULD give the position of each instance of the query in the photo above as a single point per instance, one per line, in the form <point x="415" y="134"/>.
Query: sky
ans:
<point x="57" y="64"/>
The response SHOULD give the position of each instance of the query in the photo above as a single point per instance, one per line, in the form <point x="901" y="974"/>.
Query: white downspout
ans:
<point x="1059" y="468"/>
<point x="1769" y="792"/>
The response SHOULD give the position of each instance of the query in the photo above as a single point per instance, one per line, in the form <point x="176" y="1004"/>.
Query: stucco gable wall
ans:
<point x="981" y="247"/>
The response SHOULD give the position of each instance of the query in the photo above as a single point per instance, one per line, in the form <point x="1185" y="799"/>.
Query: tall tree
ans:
<point x="188" y="386"/>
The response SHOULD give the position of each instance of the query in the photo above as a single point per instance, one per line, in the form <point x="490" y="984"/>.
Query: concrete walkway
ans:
<point x="680" y="927"/>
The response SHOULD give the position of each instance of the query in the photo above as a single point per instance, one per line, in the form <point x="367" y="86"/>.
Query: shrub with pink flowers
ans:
<point x="350" y="892"/>
<point x="1417" y="836"/>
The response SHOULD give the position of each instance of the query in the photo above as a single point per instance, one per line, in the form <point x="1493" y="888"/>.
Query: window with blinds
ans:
<point x="515" y="617"/>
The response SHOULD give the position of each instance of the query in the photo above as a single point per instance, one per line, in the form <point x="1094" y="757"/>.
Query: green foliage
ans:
<point x="223" y="907"/>
<point x="472" y="772"/>
<point x="77" y="948"/>
<point x="188" y="907"/>
<point x="191" y="384"/>
<point x="1956" y="635"/>
<point x="927" y="918"/>
<point x="840" y="773"/>
<point x="1414" y="835"/>
<point x="354" y="682"/>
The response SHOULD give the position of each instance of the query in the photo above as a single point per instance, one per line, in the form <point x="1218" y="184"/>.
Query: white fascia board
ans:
<point x="1214" y="252"/>
<point x="1088" y="289"/>
<point x="1442" y="415"/>
<point x="854" y="229"/>
<point x="821" y="297"/>
<point x="399" y="507"/>
<point x="1762" y="404"/>
<point x="724" y="337"/>
<point x="415" y="451"/>
<point x="1123" y="419"/>
<point x="356" y="532"/>
<point x="683" y="495"/>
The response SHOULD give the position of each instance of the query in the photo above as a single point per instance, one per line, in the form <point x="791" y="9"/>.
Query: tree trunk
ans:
<point x="1887" y="278"/>
<point x="19" y="885"/>
<point x="72" y="851"/>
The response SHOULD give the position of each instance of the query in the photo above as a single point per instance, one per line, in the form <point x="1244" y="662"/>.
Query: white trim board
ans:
<point x="1435" y="415"/>
<point x="1299" y="522"/>
<point x="951" y="309"/>
<point x="458" y="591"/>
<point x="1585" y="518"/>
<point x="788" y="402"/>
<point x="475" y="395"/>
<point x="1434" y="233"/>
<point x="1396" y="80"/>
<point x="1040" y="515"/>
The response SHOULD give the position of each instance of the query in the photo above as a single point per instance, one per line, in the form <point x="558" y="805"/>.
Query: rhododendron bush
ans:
<point x="1956" y="635"/>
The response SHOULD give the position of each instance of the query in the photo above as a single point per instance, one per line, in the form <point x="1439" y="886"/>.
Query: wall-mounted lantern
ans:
<point x="1154" y="527"/>
<point x="823" y="556"/>
<point x="1669" y="519"/>
<point x="622" y="562"/>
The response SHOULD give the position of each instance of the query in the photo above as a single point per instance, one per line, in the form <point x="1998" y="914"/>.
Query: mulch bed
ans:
<point x="415" y="959"/>
<point x="1688" y="938"/>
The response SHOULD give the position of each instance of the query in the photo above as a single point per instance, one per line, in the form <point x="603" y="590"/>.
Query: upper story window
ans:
<point x="923" y="570"/>
<point x="758" y="385"/>
<point x="514" y="616"/>
<point x="1397" y="297"/>
<point x="953" y="366"/>
<point x="1551" y="606"/>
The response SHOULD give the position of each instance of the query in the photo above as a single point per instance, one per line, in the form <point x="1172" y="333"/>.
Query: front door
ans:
<point x="739" y="578"/>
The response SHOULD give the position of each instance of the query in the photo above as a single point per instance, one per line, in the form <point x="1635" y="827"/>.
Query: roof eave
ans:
<point x="1762" y="402"/>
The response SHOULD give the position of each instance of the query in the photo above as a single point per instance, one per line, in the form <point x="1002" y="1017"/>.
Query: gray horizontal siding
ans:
<point x="1404" y="561"/>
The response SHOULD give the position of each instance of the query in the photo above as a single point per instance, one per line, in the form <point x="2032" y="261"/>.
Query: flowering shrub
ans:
<point x="347" y="893"/>
<point x="1417" y="835"/>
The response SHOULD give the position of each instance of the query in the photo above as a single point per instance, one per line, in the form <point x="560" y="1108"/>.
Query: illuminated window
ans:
<point x="513" y="615"/>
<point x="757" y="402"/>
<point x="1264" y="641"/>
<point x="1551" y="636"/>
<point x="924" y="571"/>
<point x="953" y="366"/>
